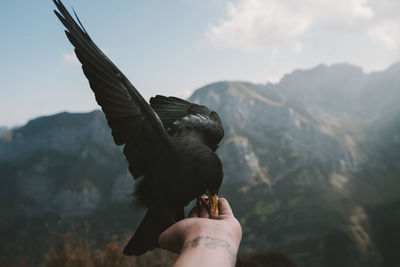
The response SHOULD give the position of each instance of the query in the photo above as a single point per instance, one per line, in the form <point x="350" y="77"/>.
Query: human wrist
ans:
<point x="212" y="234"/>
<point x="209" y="249"/>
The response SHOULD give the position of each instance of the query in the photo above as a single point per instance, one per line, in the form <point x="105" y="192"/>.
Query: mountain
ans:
<point x="311" y="167"/>
<point x="3" y="129"/>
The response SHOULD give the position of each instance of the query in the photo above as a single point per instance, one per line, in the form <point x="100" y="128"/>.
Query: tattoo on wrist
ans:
<point x="212" y="243"/>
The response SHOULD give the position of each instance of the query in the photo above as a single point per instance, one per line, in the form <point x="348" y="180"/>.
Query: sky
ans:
<point x="175" y="47"/>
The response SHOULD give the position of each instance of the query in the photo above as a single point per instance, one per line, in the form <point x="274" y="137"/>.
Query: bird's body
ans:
<point x="169" y="145"/>
<point x="182" y="164"/>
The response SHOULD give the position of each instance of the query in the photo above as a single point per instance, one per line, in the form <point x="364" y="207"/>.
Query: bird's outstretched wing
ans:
<point x="131" y="119"/>
<point x="181" y="117"/>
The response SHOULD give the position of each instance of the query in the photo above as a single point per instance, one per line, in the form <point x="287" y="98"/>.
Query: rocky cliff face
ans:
<point x="311" y="165"/>
<point x="64" y="164"/>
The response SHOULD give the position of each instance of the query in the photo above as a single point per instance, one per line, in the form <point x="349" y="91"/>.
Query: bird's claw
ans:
<point x="203" y="201"/>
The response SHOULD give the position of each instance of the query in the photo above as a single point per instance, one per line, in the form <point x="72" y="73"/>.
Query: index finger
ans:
<point x="224" y="208"/>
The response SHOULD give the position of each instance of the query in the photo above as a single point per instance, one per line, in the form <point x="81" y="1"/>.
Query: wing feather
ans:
<point x="131" y="119"/>
<point x="181" y="117"/>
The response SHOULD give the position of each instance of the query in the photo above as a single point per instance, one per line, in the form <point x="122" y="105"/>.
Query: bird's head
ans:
<point x="210" y="178"/>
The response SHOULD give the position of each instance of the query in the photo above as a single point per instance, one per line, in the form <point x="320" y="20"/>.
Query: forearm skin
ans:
<point x="207" y="251"/>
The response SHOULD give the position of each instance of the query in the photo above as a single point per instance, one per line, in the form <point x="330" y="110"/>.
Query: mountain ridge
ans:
<point x="302" y="176"/>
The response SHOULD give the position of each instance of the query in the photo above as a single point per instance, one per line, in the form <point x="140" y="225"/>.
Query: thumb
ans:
<point x="224" y="207"/>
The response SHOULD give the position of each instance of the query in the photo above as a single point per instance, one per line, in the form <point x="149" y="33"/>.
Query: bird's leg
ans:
<point x="198" y="202"/>
<point x="202" y="200"/>
<point x="198" y="205"/>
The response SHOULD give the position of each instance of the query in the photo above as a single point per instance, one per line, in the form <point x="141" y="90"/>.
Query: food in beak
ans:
<point x="213" y="203"/>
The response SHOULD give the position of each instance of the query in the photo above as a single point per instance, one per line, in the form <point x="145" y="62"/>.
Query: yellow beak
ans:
<point x="213" y="198"/>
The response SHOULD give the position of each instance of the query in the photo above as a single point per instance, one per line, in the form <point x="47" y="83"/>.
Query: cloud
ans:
<point x="253" y="24"/>
<point x="298" y="47"/>
<point x="386" y="32"/>
<point x="259" y="24"/>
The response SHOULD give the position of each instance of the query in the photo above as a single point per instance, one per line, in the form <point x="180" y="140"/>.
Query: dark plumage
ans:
<point x="169" y="144"/>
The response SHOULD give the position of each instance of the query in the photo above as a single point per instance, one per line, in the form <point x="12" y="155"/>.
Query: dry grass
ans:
<point x="75" y="249"/>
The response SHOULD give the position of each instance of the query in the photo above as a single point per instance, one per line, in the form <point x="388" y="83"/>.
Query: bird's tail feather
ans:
<point x="147" y="234"/>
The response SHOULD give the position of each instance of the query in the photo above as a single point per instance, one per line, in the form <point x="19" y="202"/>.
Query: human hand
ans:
<point x="223" y="230"/>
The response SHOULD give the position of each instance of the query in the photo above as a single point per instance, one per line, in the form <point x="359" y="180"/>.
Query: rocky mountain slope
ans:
<point x="311" y="167"/>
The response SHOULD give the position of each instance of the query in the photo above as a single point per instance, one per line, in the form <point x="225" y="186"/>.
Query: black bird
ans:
<point x="170" y="144"/>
